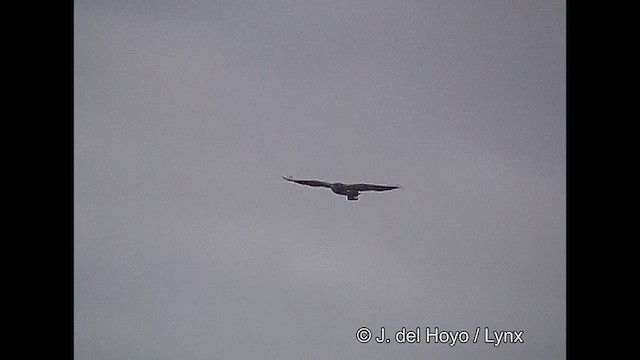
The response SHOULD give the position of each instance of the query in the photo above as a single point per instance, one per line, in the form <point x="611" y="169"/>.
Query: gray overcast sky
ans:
<point x="189" y="245"/>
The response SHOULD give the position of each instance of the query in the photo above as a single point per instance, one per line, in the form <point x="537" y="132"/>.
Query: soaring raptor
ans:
<point x="351" y="191"/>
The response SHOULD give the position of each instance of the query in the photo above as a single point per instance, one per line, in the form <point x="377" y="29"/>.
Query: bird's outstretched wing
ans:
<point x="371" y="187"/>
<point x="309" y="182"/>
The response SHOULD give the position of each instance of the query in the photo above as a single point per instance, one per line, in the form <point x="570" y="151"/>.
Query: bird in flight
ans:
<point x="351" y="191"/>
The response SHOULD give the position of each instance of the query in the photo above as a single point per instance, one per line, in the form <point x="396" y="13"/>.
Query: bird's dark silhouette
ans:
<point x="351" y="191"/>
